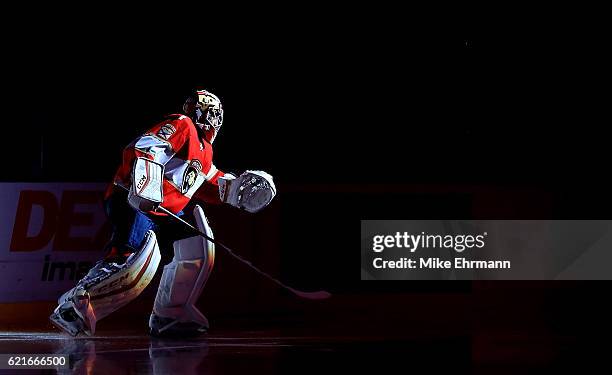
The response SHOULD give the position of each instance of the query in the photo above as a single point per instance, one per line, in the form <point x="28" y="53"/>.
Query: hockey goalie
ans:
<point x="166" y="167"/>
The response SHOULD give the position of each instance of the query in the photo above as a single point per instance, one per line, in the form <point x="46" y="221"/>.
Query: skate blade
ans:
<point x="58" y="322"/>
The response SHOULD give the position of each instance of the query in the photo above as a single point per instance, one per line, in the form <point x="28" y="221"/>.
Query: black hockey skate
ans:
<point x="168" y="327"/>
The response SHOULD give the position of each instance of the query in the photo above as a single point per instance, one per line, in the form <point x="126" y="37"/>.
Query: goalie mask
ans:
<point x="206" y="112"/>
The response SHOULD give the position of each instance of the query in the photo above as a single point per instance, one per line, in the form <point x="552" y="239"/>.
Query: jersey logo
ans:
<point x="191" y="175"/>
<point x="166" y="131"/>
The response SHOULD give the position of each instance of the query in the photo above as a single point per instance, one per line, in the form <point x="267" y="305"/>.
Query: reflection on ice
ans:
<point x="165" y="357"/>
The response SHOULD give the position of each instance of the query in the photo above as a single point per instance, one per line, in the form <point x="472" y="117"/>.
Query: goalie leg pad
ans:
<point x="106" y="288"/>
<point x="183" y="280"/>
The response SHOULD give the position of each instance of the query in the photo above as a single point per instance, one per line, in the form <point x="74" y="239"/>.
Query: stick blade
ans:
<point x="321" y="294"/>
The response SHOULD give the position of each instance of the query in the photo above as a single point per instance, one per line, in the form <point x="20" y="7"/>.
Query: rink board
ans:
<point x="50" y="234"/>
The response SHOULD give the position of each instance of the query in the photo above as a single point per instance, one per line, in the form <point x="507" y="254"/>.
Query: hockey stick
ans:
<point x="321" y="294"/>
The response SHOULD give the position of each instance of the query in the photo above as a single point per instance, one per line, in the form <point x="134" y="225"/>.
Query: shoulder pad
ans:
<point x="179" y="121"/>
<point x="177" y="117"/>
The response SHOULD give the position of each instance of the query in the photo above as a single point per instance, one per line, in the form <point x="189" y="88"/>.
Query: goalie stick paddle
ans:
<point x="318" y="295"/>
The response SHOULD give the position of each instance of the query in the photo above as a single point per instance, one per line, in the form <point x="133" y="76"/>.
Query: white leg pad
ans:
<point x="184" y="278"/>
<point x="106" y="288"/>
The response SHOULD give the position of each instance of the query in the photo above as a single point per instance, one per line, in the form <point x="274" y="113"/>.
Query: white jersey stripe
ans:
<point x="160" y="150"/>
<point x="211" y="173"/>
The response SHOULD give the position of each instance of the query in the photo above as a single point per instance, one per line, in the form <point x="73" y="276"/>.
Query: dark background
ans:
<point x="358" y="114"/>
<point x="322" y="96"/>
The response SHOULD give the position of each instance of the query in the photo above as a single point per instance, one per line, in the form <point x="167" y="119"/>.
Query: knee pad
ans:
<point x="183" y="279"/>
<point x="106" y="288"/>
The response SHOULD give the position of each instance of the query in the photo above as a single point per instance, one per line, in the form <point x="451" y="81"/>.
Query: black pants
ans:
<point x="129" y="227"/>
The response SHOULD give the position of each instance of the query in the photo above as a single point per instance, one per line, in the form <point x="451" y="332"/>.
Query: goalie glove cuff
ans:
<point x="225" y="182"/>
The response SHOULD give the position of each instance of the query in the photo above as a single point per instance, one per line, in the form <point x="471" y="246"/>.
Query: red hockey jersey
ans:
<point x="187" y="160"/>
